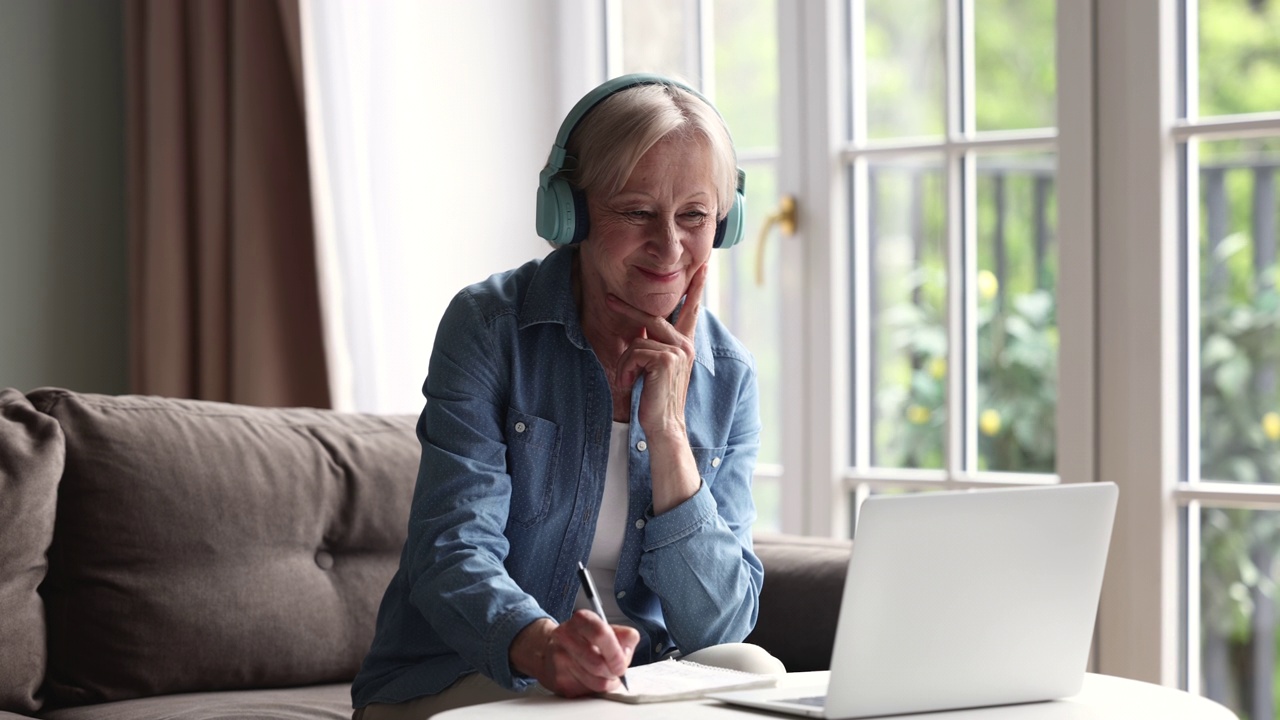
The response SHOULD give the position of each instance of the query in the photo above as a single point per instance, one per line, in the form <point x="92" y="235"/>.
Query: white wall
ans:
<point x="63" y="295"/>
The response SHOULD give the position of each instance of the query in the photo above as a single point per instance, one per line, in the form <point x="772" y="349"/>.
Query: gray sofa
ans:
<point x="166" y="558"/>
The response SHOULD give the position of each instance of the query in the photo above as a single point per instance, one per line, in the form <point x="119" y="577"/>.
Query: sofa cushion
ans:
<point x="202" y="546"/>
<point x="309" y="703"/>
<point x="800" y="600"/>
<point x="31" y="456"/>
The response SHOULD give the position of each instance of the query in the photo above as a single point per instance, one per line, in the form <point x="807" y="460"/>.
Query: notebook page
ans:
<point x="682" y="680"/>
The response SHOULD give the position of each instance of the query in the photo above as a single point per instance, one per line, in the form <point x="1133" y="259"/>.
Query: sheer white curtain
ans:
<point x="428" y="122"/>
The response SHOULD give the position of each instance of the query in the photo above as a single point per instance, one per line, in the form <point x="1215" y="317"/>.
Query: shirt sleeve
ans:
<point x="697" y="557"/>
<point x="456" y="547"/>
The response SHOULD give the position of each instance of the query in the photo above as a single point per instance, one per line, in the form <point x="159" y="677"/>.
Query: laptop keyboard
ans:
<point x="814" y="701"/>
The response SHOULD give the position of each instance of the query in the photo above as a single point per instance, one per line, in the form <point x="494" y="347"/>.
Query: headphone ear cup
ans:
<point x="557" y="210"/>
<point x="730" y="230"/>
<point x="581" y="220"/>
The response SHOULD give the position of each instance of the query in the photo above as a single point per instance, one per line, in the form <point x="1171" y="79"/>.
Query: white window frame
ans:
<point x="1149" y="390"/>
<point x="813" y="48"/>
<point x="1138" y="335"/>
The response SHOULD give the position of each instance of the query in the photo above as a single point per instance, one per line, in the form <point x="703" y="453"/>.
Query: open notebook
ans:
<point x="683" y="680"/>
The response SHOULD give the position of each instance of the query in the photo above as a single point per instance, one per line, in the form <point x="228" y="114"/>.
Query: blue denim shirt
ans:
<point x="515" y="439"/>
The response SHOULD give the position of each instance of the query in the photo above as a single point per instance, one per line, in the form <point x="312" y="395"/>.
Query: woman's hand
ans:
<point x="664" y="354"/>
<point x="580" y="657"/>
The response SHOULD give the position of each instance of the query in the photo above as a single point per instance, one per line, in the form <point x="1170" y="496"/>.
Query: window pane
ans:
<point x="750" y="310"/>
<point x="907" y="205"/>
<point x="767" y="495"/>
<point x="655" y="40"/>
<point x="904" y="55"/>
<point x="1239" y="311"/>
<point x="746" y="80"/>
<point x="870" y="491"/>
<point x="1238" y="639"/>
<point x="1017" y="314"/>
<point x="1239" y="56"/>
<point x="1015" y="84"/>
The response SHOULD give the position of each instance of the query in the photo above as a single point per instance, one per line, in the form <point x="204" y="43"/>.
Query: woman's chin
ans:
<point x="657" y="305"/>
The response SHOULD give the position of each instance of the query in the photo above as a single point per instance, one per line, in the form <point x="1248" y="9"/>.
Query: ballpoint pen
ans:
<point x="589" y="588"/>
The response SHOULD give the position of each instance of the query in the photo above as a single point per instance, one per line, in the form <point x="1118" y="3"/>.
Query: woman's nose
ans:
<point x="664" y="244"/>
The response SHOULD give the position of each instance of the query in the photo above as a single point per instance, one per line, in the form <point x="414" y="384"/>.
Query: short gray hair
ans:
<point x="606" y="145"/>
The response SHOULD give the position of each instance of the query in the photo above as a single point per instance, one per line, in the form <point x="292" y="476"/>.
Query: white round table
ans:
<point x="1103" y="697"/>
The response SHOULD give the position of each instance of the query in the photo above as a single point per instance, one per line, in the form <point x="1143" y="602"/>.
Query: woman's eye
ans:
<point x="639" y="214"/>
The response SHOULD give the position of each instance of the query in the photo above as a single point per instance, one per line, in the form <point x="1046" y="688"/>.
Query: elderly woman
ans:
<point x="583" y="408"/>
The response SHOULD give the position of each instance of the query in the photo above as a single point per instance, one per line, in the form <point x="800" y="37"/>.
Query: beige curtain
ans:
<point x="225" y="303"/>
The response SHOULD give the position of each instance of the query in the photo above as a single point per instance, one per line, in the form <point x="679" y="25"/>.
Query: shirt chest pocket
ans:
<point x="533" y="452"/>
<point x="708" y="460"/>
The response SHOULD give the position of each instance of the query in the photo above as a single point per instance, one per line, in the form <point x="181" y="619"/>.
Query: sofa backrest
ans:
<point x="800" y="601"/>
<point x="204" y="546"/>
<point x="31" y="457"/>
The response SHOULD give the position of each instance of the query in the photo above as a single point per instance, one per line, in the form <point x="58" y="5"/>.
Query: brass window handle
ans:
<point x="785" y="218"/>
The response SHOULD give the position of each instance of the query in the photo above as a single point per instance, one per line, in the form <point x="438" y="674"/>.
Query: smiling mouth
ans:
<point x="659" y="276"/>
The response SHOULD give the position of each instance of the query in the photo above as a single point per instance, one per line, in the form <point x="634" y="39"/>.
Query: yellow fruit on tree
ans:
<point x="1271" y="425"/>
<point x="989" y="422"/>
<point x="988" y="284"/>
<point x="938" y="368"/>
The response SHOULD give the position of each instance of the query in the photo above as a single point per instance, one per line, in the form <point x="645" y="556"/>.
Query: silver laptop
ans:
<point x="962" y="599"/>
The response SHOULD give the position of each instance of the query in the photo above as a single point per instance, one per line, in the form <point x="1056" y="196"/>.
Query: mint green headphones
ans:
<point x="562" y="208"/>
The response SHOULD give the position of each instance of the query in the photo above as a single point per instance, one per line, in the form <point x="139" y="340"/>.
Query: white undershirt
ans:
<point x="611" y="527"/>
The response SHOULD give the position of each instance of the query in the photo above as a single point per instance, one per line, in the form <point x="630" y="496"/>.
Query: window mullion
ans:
<point x="961" y="306"/>
<point x="823" y="183"/>
<point x="863" y="395"/>
<point x="1139" y="389"/>
<point x="700" y="46"/>
<point x="961" y="242"/>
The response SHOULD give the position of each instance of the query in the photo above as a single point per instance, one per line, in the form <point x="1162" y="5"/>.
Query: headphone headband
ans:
<point x="601" y="93"/>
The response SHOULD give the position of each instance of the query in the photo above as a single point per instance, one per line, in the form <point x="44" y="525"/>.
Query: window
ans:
<point x="908" y="337"/>
<point x="1228" y="137"/>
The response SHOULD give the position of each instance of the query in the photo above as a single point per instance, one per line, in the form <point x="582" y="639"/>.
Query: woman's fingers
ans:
<point x="657" y="327"/>
<point x="664" y="354"/>
<point x="628" y="638"/>
<point x="608" y="656"/>
<point x="645" y="356"/>
<point x="592" y="652"/>
<point x="687" y="323"/>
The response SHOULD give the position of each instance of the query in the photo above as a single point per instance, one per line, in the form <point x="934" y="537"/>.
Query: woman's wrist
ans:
<point x="530" y="646"/>
<point x="674" y="476"/>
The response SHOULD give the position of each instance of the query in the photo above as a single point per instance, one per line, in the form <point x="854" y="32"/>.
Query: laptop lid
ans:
<point x="970" y="598"/>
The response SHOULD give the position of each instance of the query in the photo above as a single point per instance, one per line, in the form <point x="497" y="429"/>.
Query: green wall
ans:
<point x="63" y="256"/>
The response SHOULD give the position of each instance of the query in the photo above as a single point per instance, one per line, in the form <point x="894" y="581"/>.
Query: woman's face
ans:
<point x="646" y="242"/>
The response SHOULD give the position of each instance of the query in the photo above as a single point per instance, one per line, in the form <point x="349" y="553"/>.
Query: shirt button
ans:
<point x="657" y="648"/>
<point x="715" y="462"/>
<point x="622" y="594"/>
<point x="640" y="523"/>
<point x="520" y="427"/>
<point x="642" y="446"/>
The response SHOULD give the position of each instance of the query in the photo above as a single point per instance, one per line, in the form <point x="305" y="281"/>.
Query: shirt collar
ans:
<point x="550" y="300"/>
